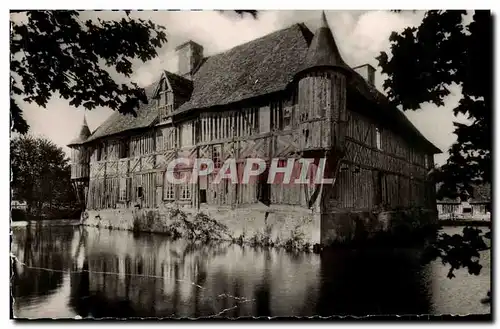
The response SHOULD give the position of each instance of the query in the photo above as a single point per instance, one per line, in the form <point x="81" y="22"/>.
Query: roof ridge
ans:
<point x="225" y="79"/>
<point x="257" y="39"/>
<point x="378" y="96"/>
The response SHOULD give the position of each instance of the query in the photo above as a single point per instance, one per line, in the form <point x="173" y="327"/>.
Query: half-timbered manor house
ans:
<point x="287" y="94"/>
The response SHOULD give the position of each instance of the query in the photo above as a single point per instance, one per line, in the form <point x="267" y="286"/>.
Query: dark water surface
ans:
<point x="68" y="271"/>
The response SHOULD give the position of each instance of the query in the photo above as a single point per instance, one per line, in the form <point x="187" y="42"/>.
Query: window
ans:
<point x="168" y="192"/>
<point x="276" y="115"/>
<point x="378" y="190"/>
<point x="139" y="192"/>
<point x="256" y="124"/>
<point x="203" y="196"/>
<point x="170" y="138"/>
<point x="428" y="160"/>
<point x="305" y="133"/>
<point x="165" y="100"/>
<point x="170" y="98"/>
<point x="186" y="134"/>
<point x="124" y="149"/>
<point x="281" y="115"/>
<point x="101" y="152"/>
<point x="168" y="188"/>
<point x="378" y="138"/>
<point x="159" y="141"/>
<point x="264" y="119"/>
<point x="287" y="118"/>
<point x="123" y="189"/>
<point x="304" y="116"/>
<point x="170" y="102"/>
<point x="216" y="156"/>
<point x="185" y="191"/>
<point x="104" y="154"/>
<point x="98" y="154"/>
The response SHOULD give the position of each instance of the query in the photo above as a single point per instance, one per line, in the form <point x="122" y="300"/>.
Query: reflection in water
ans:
<point x="39" y="248"/>
<point x="379" y="282"/>
<point x="114" y="274"/>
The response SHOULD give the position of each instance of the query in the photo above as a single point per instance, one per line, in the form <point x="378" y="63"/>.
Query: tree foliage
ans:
<point x="459" y="251"/>
<point x="40" y="173"/>
<point x="54" y="51"/>
<point x="425" y="62"/>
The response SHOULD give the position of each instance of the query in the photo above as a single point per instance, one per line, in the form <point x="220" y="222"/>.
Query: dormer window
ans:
<point x="164" y="100"/>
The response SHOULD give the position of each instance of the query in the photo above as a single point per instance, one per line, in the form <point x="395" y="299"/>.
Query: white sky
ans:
<point x="360" y="36"/>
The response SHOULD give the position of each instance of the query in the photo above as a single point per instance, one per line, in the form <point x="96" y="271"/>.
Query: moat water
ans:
<point x="69" y="271"/>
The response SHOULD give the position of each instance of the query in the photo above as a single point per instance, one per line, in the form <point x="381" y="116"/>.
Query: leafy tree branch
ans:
<point x="58" y="52"/>
<point x="425" y="62"/>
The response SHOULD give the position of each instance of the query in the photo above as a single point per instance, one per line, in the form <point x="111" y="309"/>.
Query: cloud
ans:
<point x="360" y="35"/>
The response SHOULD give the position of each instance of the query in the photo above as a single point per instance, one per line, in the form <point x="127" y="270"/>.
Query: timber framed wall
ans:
<point x="380" y="169"/>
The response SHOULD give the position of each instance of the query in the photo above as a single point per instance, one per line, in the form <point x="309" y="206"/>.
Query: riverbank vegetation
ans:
<point x="178" y="225"/>
<point x="201" y="227"/>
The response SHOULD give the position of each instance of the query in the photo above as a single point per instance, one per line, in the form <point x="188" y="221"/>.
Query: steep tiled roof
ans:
<point x="255" y="68"/>
<point x="117" y="122"/>
<point x="323" y="50"/>
<point x="259" y="67"/>
<point x="146" y="115"/>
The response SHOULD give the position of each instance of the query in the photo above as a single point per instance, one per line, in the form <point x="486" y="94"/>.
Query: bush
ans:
<point x="296" y="240"/>
<point x="202" y="227"/>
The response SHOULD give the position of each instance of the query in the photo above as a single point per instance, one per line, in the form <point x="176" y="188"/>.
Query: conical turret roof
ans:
<point x="84" y="133"/>
<point x="323" y="50"/>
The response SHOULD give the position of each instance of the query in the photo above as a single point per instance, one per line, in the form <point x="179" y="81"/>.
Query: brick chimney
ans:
<point x="367" y="72"/>
<point x="190" y="55"/>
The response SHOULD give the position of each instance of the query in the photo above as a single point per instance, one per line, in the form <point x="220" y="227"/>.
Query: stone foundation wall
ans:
<point x="275" y="225"/>
<point x="287" y="226"/>
<point x="345" y="227"/>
